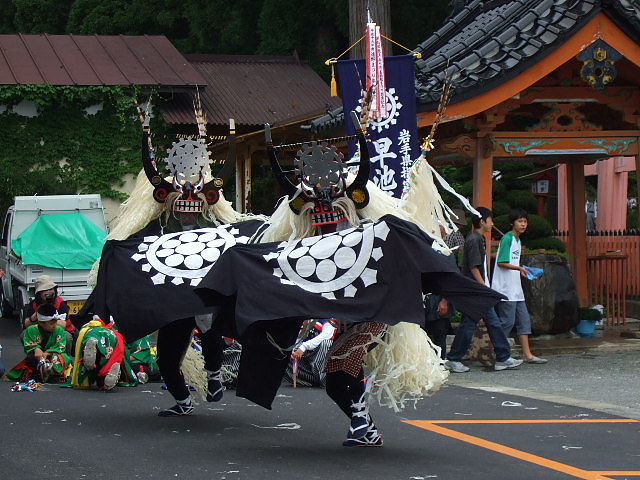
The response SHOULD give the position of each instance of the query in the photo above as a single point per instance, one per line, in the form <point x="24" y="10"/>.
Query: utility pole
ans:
<point x="380" y="11"/>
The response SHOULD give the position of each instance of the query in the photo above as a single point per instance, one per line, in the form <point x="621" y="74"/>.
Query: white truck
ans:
<point x="79" y="227"/>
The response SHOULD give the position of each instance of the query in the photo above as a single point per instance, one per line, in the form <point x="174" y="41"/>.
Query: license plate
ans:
<point x="75" y="306"/>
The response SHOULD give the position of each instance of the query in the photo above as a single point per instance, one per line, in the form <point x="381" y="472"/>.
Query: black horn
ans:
<point x="162" y="188"/>
<point x="357" y="191"/>
<point x="289" y="188"/>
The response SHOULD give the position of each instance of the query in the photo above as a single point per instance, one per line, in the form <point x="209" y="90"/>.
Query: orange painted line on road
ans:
<point x="616" y="473"/>
<point x="512" y="452"/>
<point x="582" y="420"/>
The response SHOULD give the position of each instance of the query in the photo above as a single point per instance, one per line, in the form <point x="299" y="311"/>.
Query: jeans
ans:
<point x="463" y="337"/>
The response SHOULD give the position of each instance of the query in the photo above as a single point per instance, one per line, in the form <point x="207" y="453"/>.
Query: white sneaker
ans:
<point x="509" y="363"/>
<point x="112" y="377"/>
<point x="456" y="367"/>
<point x="90" y="353"/>
<point x="536" y="360"/>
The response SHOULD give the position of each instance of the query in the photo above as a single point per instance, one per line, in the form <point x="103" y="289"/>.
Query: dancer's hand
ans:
<point x="443" y="307"/>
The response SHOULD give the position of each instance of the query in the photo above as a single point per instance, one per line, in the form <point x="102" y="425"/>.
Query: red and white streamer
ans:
<point x="375" y="72"/>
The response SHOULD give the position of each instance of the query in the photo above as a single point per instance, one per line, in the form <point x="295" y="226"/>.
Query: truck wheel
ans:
<point x="22" y="314"/>
<point x="5" y="307"/>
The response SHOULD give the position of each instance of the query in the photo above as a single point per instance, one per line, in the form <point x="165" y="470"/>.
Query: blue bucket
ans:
<point x="586" y="328"/>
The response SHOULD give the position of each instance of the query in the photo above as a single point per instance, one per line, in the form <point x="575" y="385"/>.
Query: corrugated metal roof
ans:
<point x="487" y="42"/>
<point x="94" y="60"/>
<point x="254" y="90"/>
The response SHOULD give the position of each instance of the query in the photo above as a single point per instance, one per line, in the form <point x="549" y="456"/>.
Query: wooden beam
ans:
<point x="542" y="144"/>
<point x="504" y="135"/>
<point x="613" y="95"/>
<point x="482" y="176"/>
<point x="247" y="207"/>
<point x="241" y="159"/>
<point x="463" y="145"/>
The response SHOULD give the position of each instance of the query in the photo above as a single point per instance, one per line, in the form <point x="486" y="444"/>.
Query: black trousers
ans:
<point x="437" y="330"/>
<point x="173" y="341"/>
<point x="345" y="389"/>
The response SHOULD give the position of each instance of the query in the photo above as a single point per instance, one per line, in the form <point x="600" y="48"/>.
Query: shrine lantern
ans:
<point x="540" y="187"/>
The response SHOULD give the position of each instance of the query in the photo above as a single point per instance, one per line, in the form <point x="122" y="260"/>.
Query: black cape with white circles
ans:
<point x="263" y="305"/>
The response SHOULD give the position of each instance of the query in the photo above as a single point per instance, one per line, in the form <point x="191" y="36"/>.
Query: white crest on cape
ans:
<point x="332" y="264"/>
<point x="185" y="256"/>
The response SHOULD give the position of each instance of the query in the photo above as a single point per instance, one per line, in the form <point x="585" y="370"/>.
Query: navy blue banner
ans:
<point x="394" y="139"/>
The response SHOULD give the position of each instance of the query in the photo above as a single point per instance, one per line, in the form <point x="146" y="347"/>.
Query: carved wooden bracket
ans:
<point x="464" y="145"/>
<point x="489" y="145"/>
<point x="564" y="117"/>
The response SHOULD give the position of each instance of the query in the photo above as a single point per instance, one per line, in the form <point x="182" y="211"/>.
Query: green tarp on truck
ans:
<point x="63" y="240"/>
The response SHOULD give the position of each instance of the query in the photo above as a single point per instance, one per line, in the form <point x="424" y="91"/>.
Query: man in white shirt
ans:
<point x="311" y="351"/>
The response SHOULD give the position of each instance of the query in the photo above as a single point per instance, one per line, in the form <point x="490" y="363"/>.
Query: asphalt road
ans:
<point x="489" y="431"/>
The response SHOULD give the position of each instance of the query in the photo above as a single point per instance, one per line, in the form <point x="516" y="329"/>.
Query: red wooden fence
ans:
<point x="613" y="270"/>
<point x="605" y="282"/>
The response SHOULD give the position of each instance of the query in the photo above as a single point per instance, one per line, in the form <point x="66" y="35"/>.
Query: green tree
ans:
<point x="7" y="19"/>
<point x="304" y="26"/>
<point x="40" y="16"/>
<point x="218" y="26"/>
<point x="115" y="17"/>
<point x="412" y="22"/>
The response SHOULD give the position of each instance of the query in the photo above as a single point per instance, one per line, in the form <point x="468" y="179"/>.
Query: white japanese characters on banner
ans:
<point x="394" y="137"/>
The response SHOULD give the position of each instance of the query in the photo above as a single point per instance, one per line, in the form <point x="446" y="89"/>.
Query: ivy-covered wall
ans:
<point x="65" y="150"/>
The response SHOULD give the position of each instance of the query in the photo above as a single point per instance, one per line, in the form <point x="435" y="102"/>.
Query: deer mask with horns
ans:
<point x="188" y="162"/>
<point x="321" y="173"/>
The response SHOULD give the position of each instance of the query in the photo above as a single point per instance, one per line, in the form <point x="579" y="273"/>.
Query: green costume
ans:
<point x="55" y="343"/>
<point x="108" y="348"/>
<point x="142" y="355"/>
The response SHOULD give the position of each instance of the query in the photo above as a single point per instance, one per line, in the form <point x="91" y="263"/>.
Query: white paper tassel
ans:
<point x="405" y="367"/>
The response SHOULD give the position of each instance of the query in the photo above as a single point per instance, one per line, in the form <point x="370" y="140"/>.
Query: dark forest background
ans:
<point x="314" y="29"/>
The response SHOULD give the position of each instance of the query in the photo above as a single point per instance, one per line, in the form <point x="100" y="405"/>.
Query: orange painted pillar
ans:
<point x="483" y="185"/>
<point x="563" y="209"/>
<point x="613" y="179"/>
<point x="577" y="245"/>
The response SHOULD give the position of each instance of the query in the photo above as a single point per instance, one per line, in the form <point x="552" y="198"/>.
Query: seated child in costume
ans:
<point x="309" y="355"/>
<point x="142" y="357"/>
<point x="46" y="291"/>
<point x="101" y="357"/>
<point x="45" y="346"/>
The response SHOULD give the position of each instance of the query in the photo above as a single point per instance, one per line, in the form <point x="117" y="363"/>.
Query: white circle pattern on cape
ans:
<point x="186" y="255"/>
<point x="326" y="247"/>
<point x="340" y="263"/>
<point x="306" y="266"/>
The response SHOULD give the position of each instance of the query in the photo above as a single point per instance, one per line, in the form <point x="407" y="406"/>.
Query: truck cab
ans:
<point x="78" y="227"/>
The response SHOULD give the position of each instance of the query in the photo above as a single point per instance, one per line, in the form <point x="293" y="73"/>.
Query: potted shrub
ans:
<point x="588" y="316"/>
